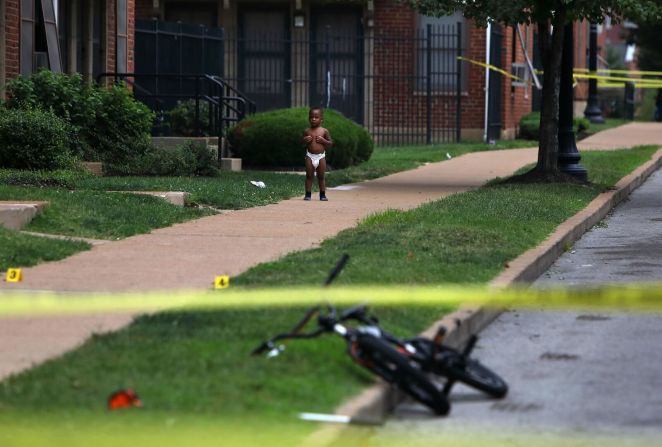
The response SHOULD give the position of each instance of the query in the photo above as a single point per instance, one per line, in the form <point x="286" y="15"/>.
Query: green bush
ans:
<point x="529" y="126"/>
<point x="66" y="96"/>
<point x="122" y="125"/>
<point x="365" y="144"/>
<point x="105" y="124"/>
<point x="274" y="139"/>
<point x="34" y="139"/>
<point x="646" y="108"/>
<point x="193" y="158"/>
<point x="182" y="118"/>
<point x="581" y="124"/>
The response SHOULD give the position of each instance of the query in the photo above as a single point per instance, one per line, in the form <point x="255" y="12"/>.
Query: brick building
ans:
<point x="383" y="83"/>
<point x="84" y="36"/>
<point x="390" y="95"/>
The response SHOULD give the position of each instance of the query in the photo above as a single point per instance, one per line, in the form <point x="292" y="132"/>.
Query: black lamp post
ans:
<point x="568" y="157"/>
<point x="593" y="112"/>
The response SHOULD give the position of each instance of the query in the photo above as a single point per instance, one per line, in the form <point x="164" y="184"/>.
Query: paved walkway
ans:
<point x="189" y="255"/>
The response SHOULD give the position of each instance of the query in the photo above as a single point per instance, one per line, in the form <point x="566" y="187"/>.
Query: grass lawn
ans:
<point x="233" y="190"/>
<point x="23" y="250"/>
<point x="99" y="215"/>
<point x="198" y="362"/>
<point x="81" y="206"/>
<point x="465" y="238"/>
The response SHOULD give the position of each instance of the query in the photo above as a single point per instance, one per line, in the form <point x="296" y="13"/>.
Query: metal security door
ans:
<point x="264" y="71"/>
<point x="336" y="61"/>
<point x="495" y="94"/>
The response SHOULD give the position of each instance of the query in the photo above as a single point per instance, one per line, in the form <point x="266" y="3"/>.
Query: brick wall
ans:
<point x="111" y="35"/>
<point x="12" y="39"/>
<point x="398" y="101"/>
<point x="516" y="101"/>
<point x="581" y="40"/>
<point x="145" y="9"/>
<point x="131" y="7"/>
<point x="473" y="102"/>
<point x="12" y="36"/>
<point x="397" y="98"/>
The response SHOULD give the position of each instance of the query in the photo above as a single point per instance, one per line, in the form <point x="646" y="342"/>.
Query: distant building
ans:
<point x="375" y="63"/>
<point x="73" y="36"/>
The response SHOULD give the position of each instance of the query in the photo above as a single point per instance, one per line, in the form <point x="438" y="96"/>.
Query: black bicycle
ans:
<point x="405" y="363"/>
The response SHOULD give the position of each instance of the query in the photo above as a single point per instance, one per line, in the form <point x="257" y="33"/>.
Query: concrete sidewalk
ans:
<point x="189" y="255"/>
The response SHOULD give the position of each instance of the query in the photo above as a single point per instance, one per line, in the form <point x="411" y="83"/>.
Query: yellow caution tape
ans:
<point x="491" y="67"/>
<point x="636" y="297"/>
<point x="608" y="78"/>
<point x="583" y="74"/>
<point x="150" y="428"/>
<point x="620" y="85"/>
<point x="631" y="72"/>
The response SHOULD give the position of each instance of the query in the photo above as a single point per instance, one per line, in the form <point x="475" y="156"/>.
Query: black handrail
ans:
<point x="227" y="104"/>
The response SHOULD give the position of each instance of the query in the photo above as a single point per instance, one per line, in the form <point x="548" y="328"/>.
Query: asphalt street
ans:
<point x="576" y="378"/>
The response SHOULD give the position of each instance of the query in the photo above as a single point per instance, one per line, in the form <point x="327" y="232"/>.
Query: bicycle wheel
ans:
<point x="475" y="374"/>
<point x="382" y="359"/>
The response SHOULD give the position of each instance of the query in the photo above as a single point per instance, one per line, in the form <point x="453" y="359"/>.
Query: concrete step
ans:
<point x="18" y="213"/>
<point x="178" y="198"/>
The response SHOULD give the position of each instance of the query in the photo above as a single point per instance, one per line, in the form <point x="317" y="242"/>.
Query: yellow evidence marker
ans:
<point x="14" y="275"/>
<point x="221" y="282"/>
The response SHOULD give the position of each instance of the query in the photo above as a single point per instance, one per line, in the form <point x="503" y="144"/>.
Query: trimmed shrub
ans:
<point x="192" y="158"/>
<point x="105" y="124"/>
<point x="66" y="96"/>
<point x="529" y="126"/>
<point x="365" y="145"/>
<point x="34" y="139"/>
<point x="274" y="139"/>
<point x="182" y="118"/>
<point x="122" y="125"/>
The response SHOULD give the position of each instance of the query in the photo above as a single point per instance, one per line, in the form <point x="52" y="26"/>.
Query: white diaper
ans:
<point x="315" y="158"/>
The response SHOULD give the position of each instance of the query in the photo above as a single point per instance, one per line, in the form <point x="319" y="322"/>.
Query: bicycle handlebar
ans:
<point x="325" y="322"/>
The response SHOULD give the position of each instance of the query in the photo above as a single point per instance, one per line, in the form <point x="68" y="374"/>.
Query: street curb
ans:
<point x="531" y="264"/>
<point x="374" y="404"/>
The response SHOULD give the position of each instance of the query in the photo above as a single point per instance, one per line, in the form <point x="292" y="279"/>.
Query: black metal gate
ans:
<point x="336" y="61"/>
<point x="494" y="119"/>
<point x="264" y="56"/>
<point x="166" y="48"/>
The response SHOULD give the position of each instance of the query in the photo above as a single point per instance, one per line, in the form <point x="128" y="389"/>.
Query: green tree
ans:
<point x="550" y="16"/>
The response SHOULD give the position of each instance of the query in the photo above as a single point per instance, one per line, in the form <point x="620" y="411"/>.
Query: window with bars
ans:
<point x="437" y="51"/>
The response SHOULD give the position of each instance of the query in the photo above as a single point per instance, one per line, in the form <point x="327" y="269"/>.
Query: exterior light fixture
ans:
<point x="299" y="20"/>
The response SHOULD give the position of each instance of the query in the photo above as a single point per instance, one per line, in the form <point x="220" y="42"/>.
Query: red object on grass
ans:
<point x="124" y="399"/>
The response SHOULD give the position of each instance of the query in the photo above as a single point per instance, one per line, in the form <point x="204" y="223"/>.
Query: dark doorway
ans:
<point x="336" y="60"/>
<point x="264" y="71"/>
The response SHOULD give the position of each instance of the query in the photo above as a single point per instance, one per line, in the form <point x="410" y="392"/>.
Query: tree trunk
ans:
<point x="551" y="52"/>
